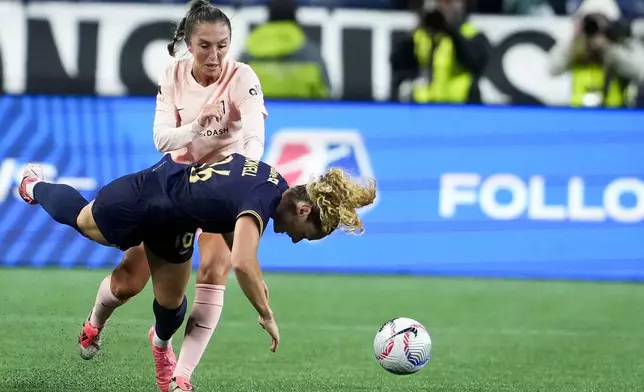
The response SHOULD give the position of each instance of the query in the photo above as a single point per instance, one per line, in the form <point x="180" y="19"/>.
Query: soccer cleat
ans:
<point x="180" y="384"/>
<point x="164" y="363"/>
<point x="89" y="340"/>
<point x="30" y="174"/>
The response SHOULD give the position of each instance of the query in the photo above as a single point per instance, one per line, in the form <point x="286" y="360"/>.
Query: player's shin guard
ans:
<point x="203" y="319"/>
<point x="168" y="320"/>
<point x="62" y="202"/>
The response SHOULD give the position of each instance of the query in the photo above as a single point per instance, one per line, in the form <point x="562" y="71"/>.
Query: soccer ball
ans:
<point x="402" y="346"/>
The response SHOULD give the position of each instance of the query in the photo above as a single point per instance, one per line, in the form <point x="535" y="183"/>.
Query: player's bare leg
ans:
<point x="127" y="280"/>
<point x="214" y="268"/>
<point x="169" y="281"/>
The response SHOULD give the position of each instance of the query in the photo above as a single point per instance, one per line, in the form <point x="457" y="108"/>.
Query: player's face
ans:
<point x="296" y="224"/>
<point x="209" y="45"/>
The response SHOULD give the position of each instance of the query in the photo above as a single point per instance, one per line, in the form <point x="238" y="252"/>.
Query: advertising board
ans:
<point x="472" y="191"/>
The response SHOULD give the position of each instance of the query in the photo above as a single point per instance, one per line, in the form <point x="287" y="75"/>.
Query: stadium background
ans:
<point x="554" y="193"/>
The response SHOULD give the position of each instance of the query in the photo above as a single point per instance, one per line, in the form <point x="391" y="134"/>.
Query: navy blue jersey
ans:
<point x="164" y="205"/>
<point x="213" y="196"/>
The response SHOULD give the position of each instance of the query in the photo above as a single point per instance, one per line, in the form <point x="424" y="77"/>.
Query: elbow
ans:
<point x="254" y="148"/>
<point x="160" y="143"/>
<point x="256" y="155"/>
<point x="161" y="147"/>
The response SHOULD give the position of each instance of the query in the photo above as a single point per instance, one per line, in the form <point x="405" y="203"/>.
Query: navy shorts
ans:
<point x="127" y="212"/>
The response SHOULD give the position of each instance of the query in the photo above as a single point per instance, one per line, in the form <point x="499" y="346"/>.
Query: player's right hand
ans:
<point x="209" y="112"/>
<point x="271" y="327"/>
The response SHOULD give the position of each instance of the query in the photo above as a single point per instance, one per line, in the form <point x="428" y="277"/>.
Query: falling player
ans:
<point x="162" y="207"/>
<point x="208" y="106"/>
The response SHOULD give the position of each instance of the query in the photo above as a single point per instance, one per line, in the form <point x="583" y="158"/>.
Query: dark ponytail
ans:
<point x="197" y="5"/>
<point x="199" y="11"/>
<point x="179" y="34"/>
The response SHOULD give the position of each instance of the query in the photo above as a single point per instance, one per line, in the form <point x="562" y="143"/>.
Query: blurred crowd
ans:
<point x="630" y="8"/>
<point x="443" y="59"/>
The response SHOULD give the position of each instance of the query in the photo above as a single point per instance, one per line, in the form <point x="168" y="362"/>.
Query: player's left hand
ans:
<point x="271" y="327"/>
<point x="210" y="111"/>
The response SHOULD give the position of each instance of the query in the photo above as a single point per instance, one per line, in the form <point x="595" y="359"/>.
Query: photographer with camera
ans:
<point x="443" y="59"/>
<point x="604" y="60"/>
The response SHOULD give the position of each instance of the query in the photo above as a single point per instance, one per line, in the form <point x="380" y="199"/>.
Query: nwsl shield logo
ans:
<point x="302" y="154"/>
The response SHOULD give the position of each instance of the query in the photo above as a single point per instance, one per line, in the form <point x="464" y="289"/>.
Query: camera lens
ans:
<point x="591" y="27"/>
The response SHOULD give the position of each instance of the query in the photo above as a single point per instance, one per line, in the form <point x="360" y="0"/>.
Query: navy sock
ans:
<point x="169" y="320"/>
<point x="62" y="202"/>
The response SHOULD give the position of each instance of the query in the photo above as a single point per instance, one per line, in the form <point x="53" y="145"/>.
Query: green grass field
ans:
<point x="489" y="335"/>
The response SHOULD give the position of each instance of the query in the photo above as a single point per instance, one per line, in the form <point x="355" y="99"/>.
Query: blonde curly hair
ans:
<point x="336" y="197"/>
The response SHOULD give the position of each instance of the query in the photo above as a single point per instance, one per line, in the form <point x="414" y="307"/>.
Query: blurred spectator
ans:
<point x="443" y="59"/>
<point x="630" y="9"/>
<point x="286" y="62"/>
<point x="535" y="7"/>
<point x="367" y="4"/>
<point x="605" y="61"/>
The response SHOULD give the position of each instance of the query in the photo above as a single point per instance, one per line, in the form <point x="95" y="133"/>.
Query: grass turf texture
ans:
<point x="489" y="335"/>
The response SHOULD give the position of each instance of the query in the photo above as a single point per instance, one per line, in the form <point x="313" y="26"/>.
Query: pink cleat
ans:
<point x="30" y="174"/>
<point x="89" y="340"/>
<point x="181" y="384"/>
<point x="164" y="363"/>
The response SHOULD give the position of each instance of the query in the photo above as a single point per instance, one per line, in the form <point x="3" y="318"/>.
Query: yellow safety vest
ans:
<point x="588" y="80"/>
<point x="450" y="82"/>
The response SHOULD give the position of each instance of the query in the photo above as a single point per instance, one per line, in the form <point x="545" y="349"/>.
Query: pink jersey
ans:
<point x="180" y="99"/>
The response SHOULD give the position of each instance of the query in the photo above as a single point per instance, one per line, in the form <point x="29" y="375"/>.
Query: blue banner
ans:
<point x="471" y="191"/>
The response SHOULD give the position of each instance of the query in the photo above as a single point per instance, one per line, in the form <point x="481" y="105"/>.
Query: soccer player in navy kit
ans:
<point x="163" y="206"/>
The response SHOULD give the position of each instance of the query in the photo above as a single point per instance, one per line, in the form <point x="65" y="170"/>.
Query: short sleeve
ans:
<point x="246" y="92"/>
<point x="261" y="205"/>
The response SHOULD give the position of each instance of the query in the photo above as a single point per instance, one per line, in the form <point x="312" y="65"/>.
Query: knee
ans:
<point x="169" y="292"/>
<point x="125" y="285"/>
<point x="171" y="299"/>
<point x="214" y="268"/>
<point x="131" y="275"/>
<point x="84" y="219"/>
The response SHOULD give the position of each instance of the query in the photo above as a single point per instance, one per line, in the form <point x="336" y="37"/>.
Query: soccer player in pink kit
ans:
<point x="207" y="107"/>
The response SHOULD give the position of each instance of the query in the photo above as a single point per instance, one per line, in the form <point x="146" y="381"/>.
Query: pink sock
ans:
<point x="203" y="319"/>
<point x="105" y="304"/>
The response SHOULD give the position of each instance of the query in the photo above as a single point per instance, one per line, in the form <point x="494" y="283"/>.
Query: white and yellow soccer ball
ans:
<point x="402" y="346"/>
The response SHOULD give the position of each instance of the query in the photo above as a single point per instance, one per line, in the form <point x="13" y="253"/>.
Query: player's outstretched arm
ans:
<point x="249" y="275"/>
<point x="168" y="136"/>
